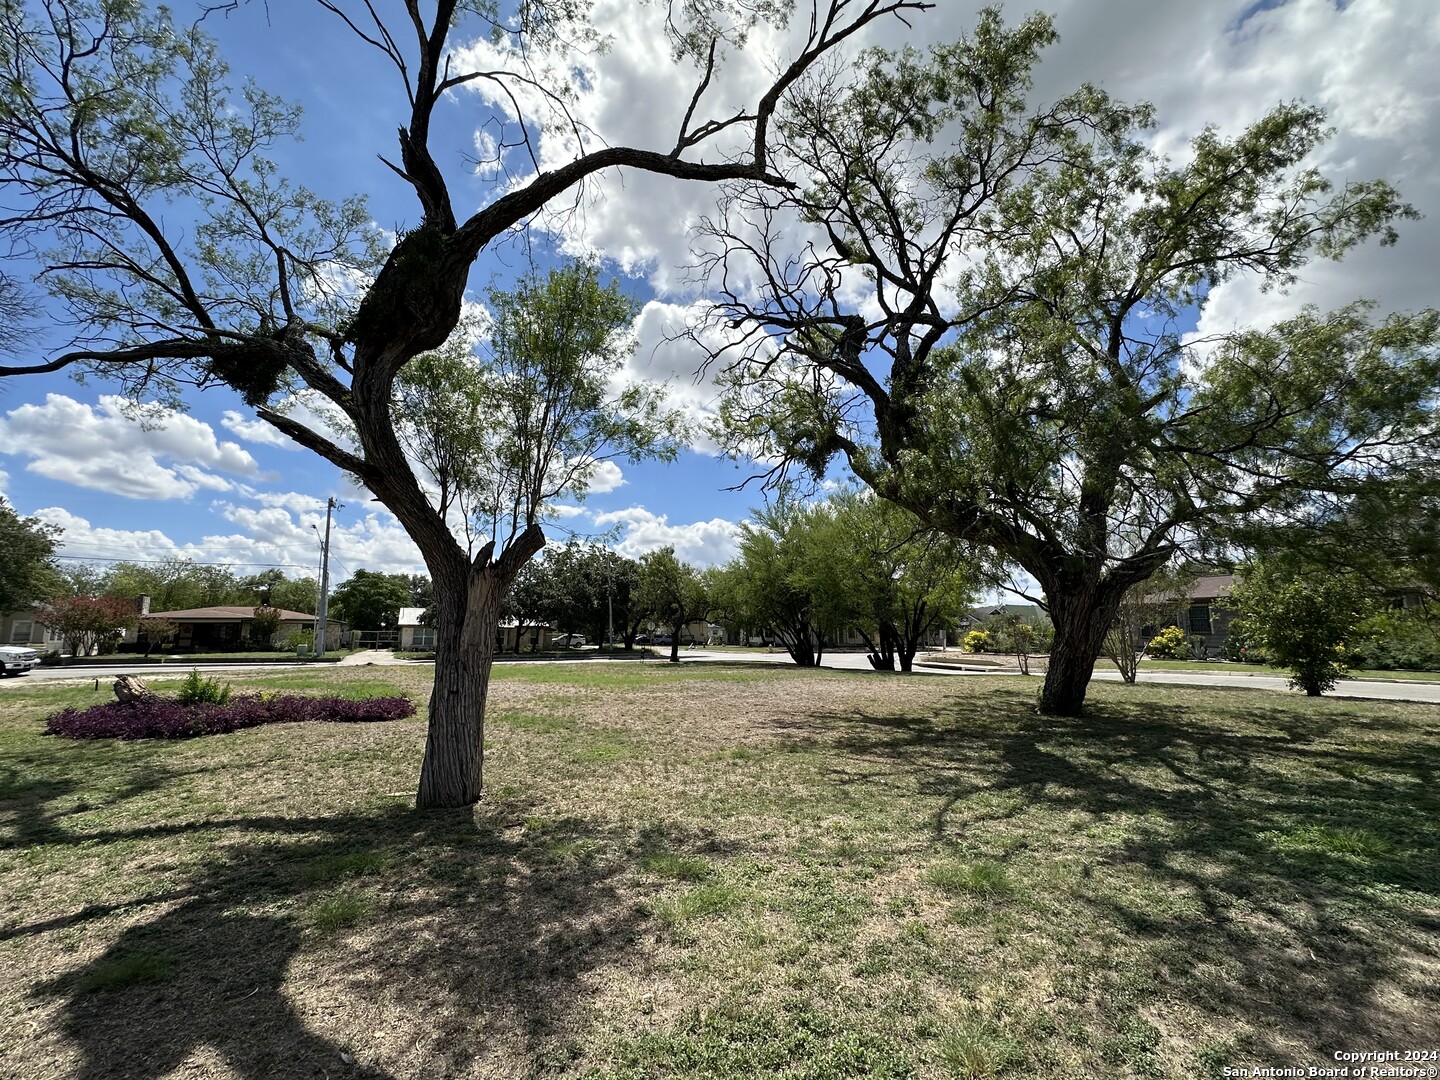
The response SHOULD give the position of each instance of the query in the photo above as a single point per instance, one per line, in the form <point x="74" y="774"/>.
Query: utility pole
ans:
<point x="324" y="606"/>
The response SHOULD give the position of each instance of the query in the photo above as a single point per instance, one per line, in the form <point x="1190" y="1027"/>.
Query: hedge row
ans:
<point x="162" y="718"/>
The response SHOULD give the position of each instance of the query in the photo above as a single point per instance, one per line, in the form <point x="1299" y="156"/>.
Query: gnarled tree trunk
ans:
<point x="468" y="597"/>
<point x="1081" y="618"/>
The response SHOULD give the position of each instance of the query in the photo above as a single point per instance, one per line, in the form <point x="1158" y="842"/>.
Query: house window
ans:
<point x="20" y="632"/>
<point x="424" y="637"/>
<point x="1199" y="618"/>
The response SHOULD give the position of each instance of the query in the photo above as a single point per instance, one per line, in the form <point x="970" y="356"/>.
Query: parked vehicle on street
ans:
<point x="570" y="640"/>
<point x="17" y="660"/>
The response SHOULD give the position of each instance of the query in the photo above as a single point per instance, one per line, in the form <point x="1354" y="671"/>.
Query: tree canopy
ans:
<point x="113" y="112"/>
<point x="27" y="571"/>
<point x="370" y="600"/>
<point x="989" y="327"/>
<point x="672" y="592"/>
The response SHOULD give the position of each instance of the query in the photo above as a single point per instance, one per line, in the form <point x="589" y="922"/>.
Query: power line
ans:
<point x="190" y="562"/>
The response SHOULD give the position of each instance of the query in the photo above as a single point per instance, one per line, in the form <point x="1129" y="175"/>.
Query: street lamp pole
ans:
<point x="323" y="608"/>
<point x="610" y="599"/>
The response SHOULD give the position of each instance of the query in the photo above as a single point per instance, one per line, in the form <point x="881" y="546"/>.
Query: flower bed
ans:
<point x="162" y="718"/>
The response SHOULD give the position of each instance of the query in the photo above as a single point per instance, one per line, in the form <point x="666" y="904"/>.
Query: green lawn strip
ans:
<point x="728" y="873"/>
<point x="1261" y="669"/>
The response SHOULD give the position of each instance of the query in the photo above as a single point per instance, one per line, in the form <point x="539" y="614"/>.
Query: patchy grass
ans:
<point x="726" y="872"/>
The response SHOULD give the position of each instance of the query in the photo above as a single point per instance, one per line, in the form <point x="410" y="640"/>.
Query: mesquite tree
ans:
<point x="984" y="323"/>
<point x="114" y="116"/>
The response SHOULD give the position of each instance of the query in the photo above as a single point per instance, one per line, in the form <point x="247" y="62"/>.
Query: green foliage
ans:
<point x="370" y="600"/>
<point x="198" y="690"/>
<point x="672" y="592"/>
<point x="583" y="584"/>
<point x="978" y="878"/>
<point x="273" y="589"/>
<point x="785" y="580"/>
<point x="531" y="416"/>
<point x="1392" y="639"/>
<point x="1302" y="617"/>
<point x="1046" y="407"/>
<point x="895" y="579"/>
<point x="298" y="638"/>
<point x="146" y="113"/>
<point x="27" y="570"/>
<point x="264" y="624"/>
<point x="1171" y="643"/>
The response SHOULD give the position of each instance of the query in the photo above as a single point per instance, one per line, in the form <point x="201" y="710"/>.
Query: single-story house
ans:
<point x="1204" y="613"/>
<point x="226" y="627"/>
<point x="412" y="634"/>
<point x="21" y="628"/>
<point x="977" y="618"/>
<point x="415" y="637"/>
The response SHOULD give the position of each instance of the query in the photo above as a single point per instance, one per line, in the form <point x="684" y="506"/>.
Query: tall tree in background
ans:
<point x="27" y="567"/>
<point x="174" y="584"/>
<point x="1015" y="373"/>
<point x="273" y="588"/>
<point x="370" y="600"/>
<point x="904" y="581"/>
<point x="673" y="592"/>
<point x="785" y="581"/>
<point x="111" y="113"/>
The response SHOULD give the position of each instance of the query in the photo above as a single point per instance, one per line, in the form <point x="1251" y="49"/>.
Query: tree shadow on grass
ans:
<point x="1277" y="865"/>
<point x="399" y="943"/>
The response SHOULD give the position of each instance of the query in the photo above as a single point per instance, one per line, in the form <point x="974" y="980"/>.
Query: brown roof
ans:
<point x="1213" y="586"/>
<point x="1205" y="587"/>
<point x="224" y="614"/>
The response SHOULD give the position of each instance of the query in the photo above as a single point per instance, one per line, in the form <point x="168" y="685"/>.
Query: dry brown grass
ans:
<point x="727" y="872"/>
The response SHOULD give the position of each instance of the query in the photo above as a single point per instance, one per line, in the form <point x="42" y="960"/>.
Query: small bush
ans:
<point x="159" y="718"/>
<point x="198" y="691"/>
<point x="976" y="641"/>
<point x="1169" y="644"/>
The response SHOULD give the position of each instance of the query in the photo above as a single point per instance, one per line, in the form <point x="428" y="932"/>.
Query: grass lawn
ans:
<point x="1262" y="669"/>
<point x="726" y="872"/>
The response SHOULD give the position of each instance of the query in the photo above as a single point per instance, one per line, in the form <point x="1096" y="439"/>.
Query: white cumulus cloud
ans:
<point x="256" y="431"/>
<point x="104" y="447"/>
<point x="701" y="543"/>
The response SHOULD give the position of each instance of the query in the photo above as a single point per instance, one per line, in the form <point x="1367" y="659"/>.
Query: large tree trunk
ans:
<point x="468" y="598"/>
<point x="464" y="648"/>
<point x="1081" y="619"/>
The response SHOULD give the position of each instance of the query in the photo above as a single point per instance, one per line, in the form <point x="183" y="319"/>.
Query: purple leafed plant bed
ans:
<point x="160" y="718"/>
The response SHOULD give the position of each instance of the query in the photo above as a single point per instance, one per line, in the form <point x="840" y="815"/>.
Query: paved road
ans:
<point x="1385" y="691"/>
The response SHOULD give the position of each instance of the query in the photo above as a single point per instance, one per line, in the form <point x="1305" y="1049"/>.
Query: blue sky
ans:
<point x="214" y="486"/>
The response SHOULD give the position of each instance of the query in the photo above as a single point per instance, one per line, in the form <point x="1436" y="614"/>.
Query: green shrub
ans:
<point x="200" y="691"/>
<point x="976" y="641"/>
<point x="1396" y="641"/>
<point x="1169" y="644"/>
<point x="296" y="638"/>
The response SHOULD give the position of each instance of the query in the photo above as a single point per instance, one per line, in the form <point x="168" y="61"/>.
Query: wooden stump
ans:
<point x="130" y="688"/>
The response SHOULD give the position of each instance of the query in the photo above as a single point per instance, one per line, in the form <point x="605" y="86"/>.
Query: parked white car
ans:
<point x="17" y="660"/>
<point x="571" y="640"/>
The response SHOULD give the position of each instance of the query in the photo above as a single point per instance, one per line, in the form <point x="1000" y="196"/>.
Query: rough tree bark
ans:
<point x="1081" y="618"/>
